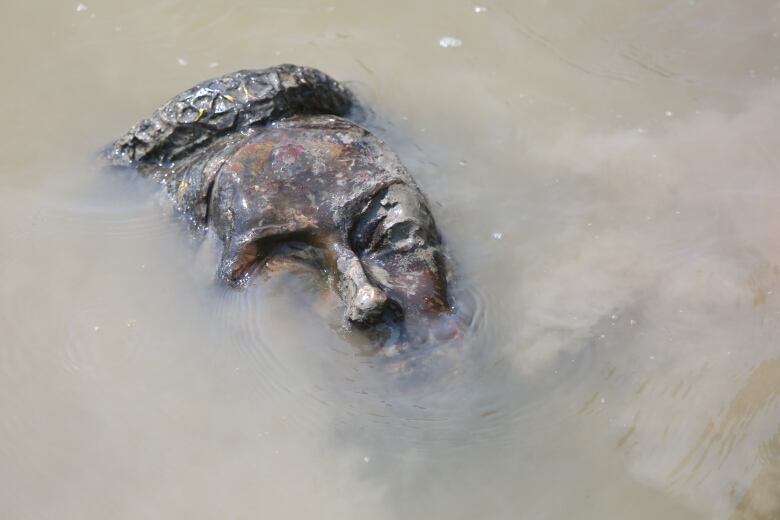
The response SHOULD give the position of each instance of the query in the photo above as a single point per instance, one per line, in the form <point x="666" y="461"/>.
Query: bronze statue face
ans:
<point x="322" y="190"/>
<point x="264" y="159"/>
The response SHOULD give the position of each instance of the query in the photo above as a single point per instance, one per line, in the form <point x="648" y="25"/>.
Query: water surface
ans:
<point x="606" y="176"/>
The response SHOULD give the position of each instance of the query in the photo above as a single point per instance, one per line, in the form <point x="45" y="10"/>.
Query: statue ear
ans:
<point x="239" y="260"/>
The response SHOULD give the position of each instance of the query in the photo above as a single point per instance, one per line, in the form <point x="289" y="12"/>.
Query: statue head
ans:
<point x="256" y="156"/>
<point x="323" y="191"/>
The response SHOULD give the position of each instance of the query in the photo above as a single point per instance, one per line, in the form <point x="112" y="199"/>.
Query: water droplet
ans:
<point x="81" y="7"/>
<point x="669" y="113"/>
<point x="480" y="9"/>
<point x="213" y="64"/>
<point x="497" y="235"/>
<point x="449" y="41"/>
<point x="366" y="459"/>
<point x="182" y="62"/>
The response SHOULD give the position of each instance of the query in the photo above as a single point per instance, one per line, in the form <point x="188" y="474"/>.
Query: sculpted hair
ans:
<point x="230" y="103"/>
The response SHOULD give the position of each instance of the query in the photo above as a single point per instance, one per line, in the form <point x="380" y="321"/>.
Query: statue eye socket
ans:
<point x="297" y="247"/>
<point x="364" y="230"/>
<point x="296" y="250"/>
<point x="395" y="220"/>
<point x="398" y="238"/>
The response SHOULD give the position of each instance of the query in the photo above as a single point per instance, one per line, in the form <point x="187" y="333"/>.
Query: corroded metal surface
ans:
<point x="264" y="159"/>
<point x="230" y="103"/>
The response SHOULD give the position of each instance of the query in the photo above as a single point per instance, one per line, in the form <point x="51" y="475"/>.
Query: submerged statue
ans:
<point x="267" y="160"/>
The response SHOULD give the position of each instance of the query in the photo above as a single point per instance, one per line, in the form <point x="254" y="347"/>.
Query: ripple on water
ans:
<point x="77" y="239"/>
<point x="127" y="219"/>
<point x="458" y="390"/>
<point x="97" y="341"/>
<point x="466" y="391"/>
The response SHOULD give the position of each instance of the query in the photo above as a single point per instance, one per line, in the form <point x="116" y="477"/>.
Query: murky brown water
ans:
<point x="606" y="174"/>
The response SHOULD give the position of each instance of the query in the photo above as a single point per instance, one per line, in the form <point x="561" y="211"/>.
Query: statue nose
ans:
<point x="364" y="301"/>
<point x="368" y="304"/>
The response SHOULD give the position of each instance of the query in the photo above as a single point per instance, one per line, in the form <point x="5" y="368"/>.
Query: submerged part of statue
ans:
<point x="266" y="160"/>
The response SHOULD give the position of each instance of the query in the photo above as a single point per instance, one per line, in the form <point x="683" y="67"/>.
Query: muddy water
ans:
<point x="606" y="176"/>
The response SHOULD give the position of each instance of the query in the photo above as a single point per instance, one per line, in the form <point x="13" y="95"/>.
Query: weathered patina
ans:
<point x="267" y="160"/>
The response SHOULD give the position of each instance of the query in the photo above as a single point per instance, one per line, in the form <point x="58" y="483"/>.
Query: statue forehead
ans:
<point x="316" y="168"/>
